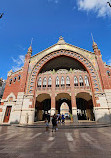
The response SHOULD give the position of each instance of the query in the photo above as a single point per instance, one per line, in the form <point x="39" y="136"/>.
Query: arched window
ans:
<point x="15" y="78"/>
<point x="49" y="82"/>
<point x="19" y="77"/>
<point x="86" y="81"/>
<point x="108" y="73"/>
<point x="44" y="82"/>
<point x="67" y="81"/>
<point x="10" y="81"/>
<point x="75" y="81"/>
<point x="39" y="82"/>
<point x="81" y="81"/>
<point x="62" y="82"/>
<point x="57" y="81"/>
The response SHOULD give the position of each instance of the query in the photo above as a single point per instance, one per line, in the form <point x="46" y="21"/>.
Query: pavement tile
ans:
<point x="65" y="143"/>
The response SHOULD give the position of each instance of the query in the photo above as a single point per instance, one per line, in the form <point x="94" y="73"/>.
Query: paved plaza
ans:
<point x="19" y="142"/>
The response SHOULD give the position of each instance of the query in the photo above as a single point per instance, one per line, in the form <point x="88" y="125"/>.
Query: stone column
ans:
<point x="73" y="100"/>
<point x="74" y="108"/>
<point x="53" y="105"/>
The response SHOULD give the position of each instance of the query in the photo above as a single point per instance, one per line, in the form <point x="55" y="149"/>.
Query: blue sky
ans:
<point x="45" y="21"/>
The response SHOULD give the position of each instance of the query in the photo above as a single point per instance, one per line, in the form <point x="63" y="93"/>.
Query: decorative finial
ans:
<point x="94" y="43"/>
<point x="61" y="40"/>
<point x="30" y="48"/>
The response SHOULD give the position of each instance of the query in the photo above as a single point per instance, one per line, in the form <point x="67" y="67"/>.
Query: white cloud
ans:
<point x="109" y="62"/>
<point x="55" y="1"/>
<point x="18" y="63"/>
<point x="15" y="68"/>
<point x="100" y="7"/>
<point x="20" y="47"/>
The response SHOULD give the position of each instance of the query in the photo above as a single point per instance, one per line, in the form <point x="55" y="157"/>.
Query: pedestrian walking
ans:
<point x="48" y="117"/>
<point x="46" y="124"/>
<point x="54" y="122"/>
<point x="63" y="119"/>
<point x="59" y="119"/>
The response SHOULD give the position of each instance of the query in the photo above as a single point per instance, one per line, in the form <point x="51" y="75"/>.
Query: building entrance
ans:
<point x="42" y="107"/>
<point x="7" y="114"/>
<point x="84" y="107"/>
<point x="63" y="105"/>
<point x="64" y="109"/>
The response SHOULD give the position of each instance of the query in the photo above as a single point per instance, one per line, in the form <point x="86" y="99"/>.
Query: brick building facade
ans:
<point x="62" y="73"/>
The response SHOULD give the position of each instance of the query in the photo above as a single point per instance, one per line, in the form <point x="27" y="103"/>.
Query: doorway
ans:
<point x="7" y="114"/>
<point x="84" y="107"/>
<point x="42" y="107"/>
<point x="63" y="105"/>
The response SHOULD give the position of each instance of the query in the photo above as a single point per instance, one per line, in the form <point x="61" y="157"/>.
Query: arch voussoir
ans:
<point x="83" y="60"/>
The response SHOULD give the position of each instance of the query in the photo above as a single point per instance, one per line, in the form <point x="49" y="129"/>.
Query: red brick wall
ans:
<point x="102" y="71"/>
<point x="25" y="73"/>
<point x="17" y="86"/>
<point x="0" y="110"/>
<point x="13" y="87"/>
<point x="109" y="77"/>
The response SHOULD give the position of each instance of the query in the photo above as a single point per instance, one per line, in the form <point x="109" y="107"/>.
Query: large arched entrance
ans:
<point x="71" y="74"/>
<point x="42" y="106"/>
<point x="84" y="106"/>
<point x="63" y="104"/>
<point x="86" y="64"/>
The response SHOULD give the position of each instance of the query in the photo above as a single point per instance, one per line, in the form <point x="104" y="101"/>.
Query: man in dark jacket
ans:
<point x="48" y="117"/>
<point x="54" y="122"/>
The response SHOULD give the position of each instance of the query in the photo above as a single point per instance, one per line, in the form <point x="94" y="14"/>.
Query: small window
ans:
<point x="15" y="78"/>
<point x="81" y="81"/>
<point x="75" y="81"/>
<point x="67" y="81"/>
<point x="10" y="99"/>
<point x="86" y="81"/>
<point x="39" y="82"/>
<point x="57" y="81"/>
<point x="49" y="82"/>
<point x="10" y="81"/>
<point x="44" y="82"/>
<point x="19" y="77"/>
<point x="108" y="73"/>
<point x="62" y="82"/>
<point x="96" y="89"/>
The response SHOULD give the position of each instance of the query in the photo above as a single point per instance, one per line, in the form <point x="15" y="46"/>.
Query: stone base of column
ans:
<point x="74" y="113"/>
<point x="27" y="117"/>
<point x="102" y="114"/>
<point x="52" y="111"/>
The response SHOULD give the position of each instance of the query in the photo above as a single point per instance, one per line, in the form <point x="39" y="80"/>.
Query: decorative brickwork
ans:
<point x="39" y="83"/>
<point x="88" y="65"/>
<point x="13" y="86"/>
